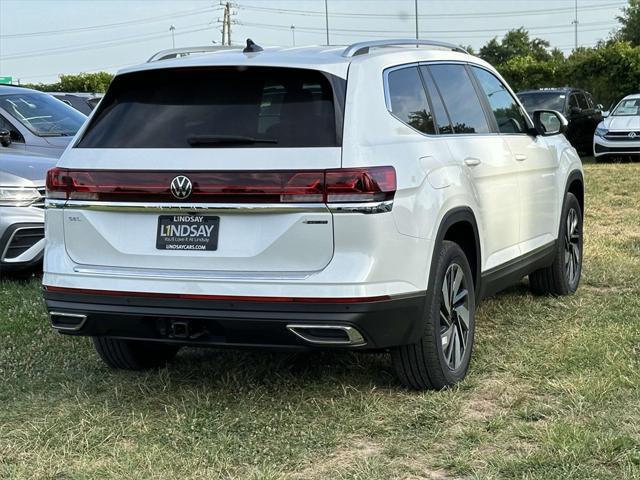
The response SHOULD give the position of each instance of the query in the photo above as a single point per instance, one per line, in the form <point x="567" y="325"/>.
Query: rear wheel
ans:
<point x="441" y="357"/>
<point x="133" y="354"/>
<point x="562" y="277"/>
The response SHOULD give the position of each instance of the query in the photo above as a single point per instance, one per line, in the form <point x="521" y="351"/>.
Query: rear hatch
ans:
<point x="207" y="170"/>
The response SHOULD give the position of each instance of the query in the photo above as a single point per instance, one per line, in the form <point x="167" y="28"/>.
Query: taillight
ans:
<point x="360" y="184"/>
<point x="304" y="186"/>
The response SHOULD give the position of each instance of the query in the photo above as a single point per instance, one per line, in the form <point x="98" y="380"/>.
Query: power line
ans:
<point x="512" y="13"/>
<point x="103" y="44"/>
<point x="540" y="30"/>
<point x="183" y="13"/>
<point x="561" y="26"/>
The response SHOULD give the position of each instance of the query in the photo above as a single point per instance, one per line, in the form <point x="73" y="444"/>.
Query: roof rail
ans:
<point x="362" y="48"/>
<point x="184" y="51"/>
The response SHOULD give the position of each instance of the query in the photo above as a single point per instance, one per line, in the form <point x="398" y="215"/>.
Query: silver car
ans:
<point x="22" y="191"/>
<point x="35" y="122"/>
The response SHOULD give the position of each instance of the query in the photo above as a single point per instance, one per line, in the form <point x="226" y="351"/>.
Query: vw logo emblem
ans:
<point x="181" y="187"/>
<point x="633" y="135"/>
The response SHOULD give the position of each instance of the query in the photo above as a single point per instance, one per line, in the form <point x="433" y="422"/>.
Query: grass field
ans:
<point x="553" y="391"/>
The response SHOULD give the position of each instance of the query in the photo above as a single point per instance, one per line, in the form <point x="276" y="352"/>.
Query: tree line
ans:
<point x="610" y="70"/>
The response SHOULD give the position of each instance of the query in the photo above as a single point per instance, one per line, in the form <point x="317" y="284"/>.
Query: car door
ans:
<point x="536" y="162"/>
<point x="577" y="121"/>
<point x="485" y="158"/>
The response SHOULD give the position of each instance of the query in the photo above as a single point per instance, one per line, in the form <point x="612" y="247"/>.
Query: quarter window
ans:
<point x="460" y="98"/>
<point x="505" y="109"/>
<point x="408" y="100"/>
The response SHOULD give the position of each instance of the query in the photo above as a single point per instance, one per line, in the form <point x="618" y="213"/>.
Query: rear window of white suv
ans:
<point x="219" y="107"/>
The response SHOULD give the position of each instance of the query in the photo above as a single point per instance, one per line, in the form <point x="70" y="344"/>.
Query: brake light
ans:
<point x="360" y="184"/>
<point x="305" y="186"/>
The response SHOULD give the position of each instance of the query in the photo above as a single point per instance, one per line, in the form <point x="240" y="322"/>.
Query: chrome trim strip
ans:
<point x="159" y="207"/>
<point x="363" y="208"/>
<point x="71" y="315"/>
<point x="149" y="273"/>
<point x="355" y="338"/>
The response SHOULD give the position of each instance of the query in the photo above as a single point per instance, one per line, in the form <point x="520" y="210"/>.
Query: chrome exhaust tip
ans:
<point x="67" y="322"/>
<point x="328" y="334"/>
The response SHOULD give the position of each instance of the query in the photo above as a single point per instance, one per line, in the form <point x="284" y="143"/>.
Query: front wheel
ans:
<point x="441" y="357"/>
<point x="562" y="277"/>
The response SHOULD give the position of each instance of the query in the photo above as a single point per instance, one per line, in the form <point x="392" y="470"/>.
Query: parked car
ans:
<point x="370" y="206"/>
<point x="81" y="101"/>
<point x="36" y="122"/>
<point x="22" y="190"/>
<point x="576" y="105"/>
<point x="618" y="135"/>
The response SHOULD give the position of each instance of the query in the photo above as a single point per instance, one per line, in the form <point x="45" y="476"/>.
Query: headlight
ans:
<point x="601" y="131"/>
<point x="18" y="196"/>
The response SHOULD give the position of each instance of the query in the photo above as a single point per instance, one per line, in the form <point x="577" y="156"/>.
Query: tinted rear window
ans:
<point x="543" y="101"/>
<point x="219" y="107"/>
<point x="460" y="98"/>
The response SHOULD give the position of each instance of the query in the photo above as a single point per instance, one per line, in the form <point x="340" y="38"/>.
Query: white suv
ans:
<point x="363" y="198"/>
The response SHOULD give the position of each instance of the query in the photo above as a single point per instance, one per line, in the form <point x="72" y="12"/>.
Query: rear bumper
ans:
<point x="266" y="324"/>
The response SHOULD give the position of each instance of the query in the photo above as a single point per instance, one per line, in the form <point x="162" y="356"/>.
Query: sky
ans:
<point x="41" y="39"/>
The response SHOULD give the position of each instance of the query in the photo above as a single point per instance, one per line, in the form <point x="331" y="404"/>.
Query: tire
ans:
<point x="428" y="364"/>
<point x="562" y="277"/>
<point x="132" y="354"/>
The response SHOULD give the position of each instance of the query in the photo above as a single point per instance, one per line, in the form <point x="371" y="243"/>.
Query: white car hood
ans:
<point x="623" y="123"/>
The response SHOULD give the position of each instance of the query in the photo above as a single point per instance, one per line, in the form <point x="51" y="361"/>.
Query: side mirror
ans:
<point x="605" y="114"/>
<point x="5" y="137"/>
<point x="549" y="122"/>
<point x="576" y="110"/>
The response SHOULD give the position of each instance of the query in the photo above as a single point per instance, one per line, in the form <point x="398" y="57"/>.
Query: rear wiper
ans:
<point x="208" y="140"/>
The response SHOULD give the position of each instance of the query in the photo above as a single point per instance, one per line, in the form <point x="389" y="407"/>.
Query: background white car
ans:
<point x="618" y="135"/>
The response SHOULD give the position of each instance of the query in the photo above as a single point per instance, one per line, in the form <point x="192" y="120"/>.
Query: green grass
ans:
<point x="553" y="391"/>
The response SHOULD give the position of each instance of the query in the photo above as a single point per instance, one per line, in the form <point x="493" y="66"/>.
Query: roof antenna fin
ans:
<point x="252" y="47"/>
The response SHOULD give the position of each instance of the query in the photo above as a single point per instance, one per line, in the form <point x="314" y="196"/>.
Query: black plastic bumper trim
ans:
<point x="383" y="324"/>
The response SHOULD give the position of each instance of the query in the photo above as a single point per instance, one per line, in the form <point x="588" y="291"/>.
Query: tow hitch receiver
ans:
<point x="181" y="329"/>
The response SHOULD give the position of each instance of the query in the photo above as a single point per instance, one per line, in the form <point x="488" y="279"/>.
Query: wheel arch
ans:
<point x="459" y="225"/>
<point x="575" y="185"/>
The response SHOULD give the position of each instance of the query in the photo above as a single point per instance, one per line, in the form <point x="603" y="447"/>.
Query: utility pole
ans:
<point x="326" y="18"/>
<point x="225" y="18"/>
<point x="172" y="29"/>
<point x="226" y="22"/>
<point x="293" y="34"/>
<point x="417" y="34"/>
<point x="575" y="26"/>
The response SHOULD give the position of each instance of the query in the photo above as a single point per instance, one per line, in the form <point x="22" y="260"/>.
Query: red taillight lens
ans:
<point x="360" y="184"/>
<point x="306" y="186"/>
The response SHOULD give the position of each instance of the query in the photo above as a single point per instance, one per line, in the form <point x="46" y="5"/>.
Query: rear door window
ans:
<point x="460" y="98"/>
<point x="440" y="112"/>
<point x="219" y="107"/>
<point x="506" y="110"/>
<point x="582" y="101"/>
<point x="408" y="100"/>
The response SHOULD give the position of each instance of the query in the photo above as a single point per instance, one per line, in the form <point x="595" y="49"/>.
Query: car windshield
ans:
<point x="221" y="107"/>
<point x="542" y="101"/>
<point x="42" y="114"/>
<point x="627" y="108"/>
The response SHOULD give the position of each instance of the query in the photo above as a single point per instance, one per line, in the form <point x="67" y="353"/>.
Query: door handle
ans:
<point x="520" y="157"/>
<point x="472" y="161"/>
